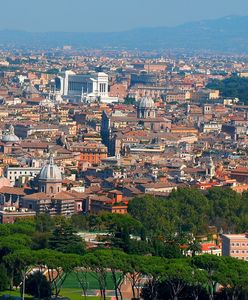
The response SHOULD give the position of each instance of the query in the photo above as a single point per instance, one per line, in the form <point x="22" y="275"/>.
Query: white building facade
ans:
<point x="18" y="174"/>
<point x="84" y="87"/>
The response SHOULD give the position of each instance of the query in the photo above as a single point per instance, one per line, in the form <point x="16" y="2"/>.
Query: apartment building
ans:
<point x="235" y="245"/>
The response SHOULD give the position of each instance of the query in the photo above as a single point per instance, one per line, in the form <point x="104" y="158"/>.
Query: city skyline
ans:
<point x="111" y="16"/>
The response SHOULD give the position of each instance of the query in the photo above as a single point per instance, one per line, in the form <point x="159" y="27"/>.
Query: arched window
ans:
<point x="51" y="190"/>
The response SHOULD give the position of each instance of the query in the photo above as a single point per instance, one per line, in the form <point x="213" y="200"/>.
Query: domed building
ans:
<point x="30" y="91"/>
<point x="146" y="108"/>
<point x="9" y="136"/>
<point x="9" y="141"/>
<point x="49" y="198"/>
<point x="50" y="178"/>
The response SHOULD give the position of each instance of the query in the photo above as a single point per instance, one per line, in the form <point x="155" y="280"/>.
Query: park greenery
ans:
<point x="146" y="247"/>
<point x="232" y="87"/>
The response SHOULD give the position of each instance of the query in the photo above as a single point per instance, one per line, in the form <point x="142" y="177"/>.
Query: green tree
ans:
<point x="59" y="266"/>
<point x="233" y="87"/>
<point x="194" y="247"/>
<point x="116" y="261"/>
<point x="214" y="266"/>
<point x="197" y="282"/>
<point x="65" y="239"/>
<point x="191" y="209"/>
<point x="20" y="262"/>
<point x="24" y="227"/>
<point x="153" y="268"/>
<point x="9" y="245"/>
<point x="166" y="249"/>
<point x="234" y="277"/>
<point x="80" y="222"/>
<point x="121" y="228"/>
<point x="177" y="274"/>
<point x="12" y="242"/>
<point x="40" y="240"/>
<point x="225" y="208"/>
<point x="4" y="230"/>
<point x="4" y="278"/>
<point x="97" y="262"/>
<point x="82" y="275"/>
<point x="161" y="222"/>
<point x="37" y="286"/>
<point x="135" y="266"/>
<point x="44" y="223"/>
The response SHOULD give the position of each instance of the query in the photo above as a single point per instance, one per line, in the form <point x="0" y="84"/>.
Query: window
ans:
<point x="237" y="251"/>
<point x="237" y="244"/>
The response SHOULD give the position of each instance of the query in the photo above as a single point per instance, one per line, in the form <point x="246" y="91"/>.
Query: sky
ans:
<point x="111" y="15"/>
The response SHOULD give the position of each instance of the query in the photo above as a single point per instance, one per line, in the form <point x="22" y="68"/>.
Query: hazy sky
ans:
<point x="111" y="15"/>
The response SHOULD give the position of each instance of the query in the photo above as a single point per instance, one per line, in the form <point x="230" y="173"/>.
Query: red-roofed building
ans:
<point x="211" y="248"/>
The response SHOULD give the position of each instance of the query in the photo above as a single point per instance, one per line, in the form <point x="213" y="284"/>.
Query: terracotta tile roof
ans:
<point x="159" y="185"/>
<point x="64" y="196"/>
<point x="37" y="145"/>
<point x="93" y="189"/>
<point x="12" y="191"/>
<point x="115" y="192"/>
<point x="101" y="199"/>
<point x="240" y="170"/>
<point x="209" y="246"/>
<point x="37" y="196"/>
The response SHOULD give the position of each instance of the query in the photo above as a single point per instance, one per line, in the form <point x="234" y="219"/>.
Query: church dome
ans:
<point x="10" y="136"/>
<point x="146" y="102"/>
<point x="50" y="172"/>
<point x="30" y="89"/>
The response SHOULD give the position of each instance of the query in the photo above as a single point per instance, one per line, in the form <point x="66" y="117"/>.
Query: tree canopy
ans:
<point x="233" y="87"/>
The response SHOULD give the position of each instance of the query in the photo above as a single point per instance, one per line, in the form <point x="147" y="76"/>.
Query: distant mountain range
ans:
<point x="228" y="34"/>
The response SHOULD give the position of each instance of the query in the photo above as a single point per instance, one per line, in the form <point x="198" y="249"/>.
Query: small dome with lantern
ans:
<point x="9" y="136"/>
<point x="146" y="108"/>
<point x="50" y="171"/>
